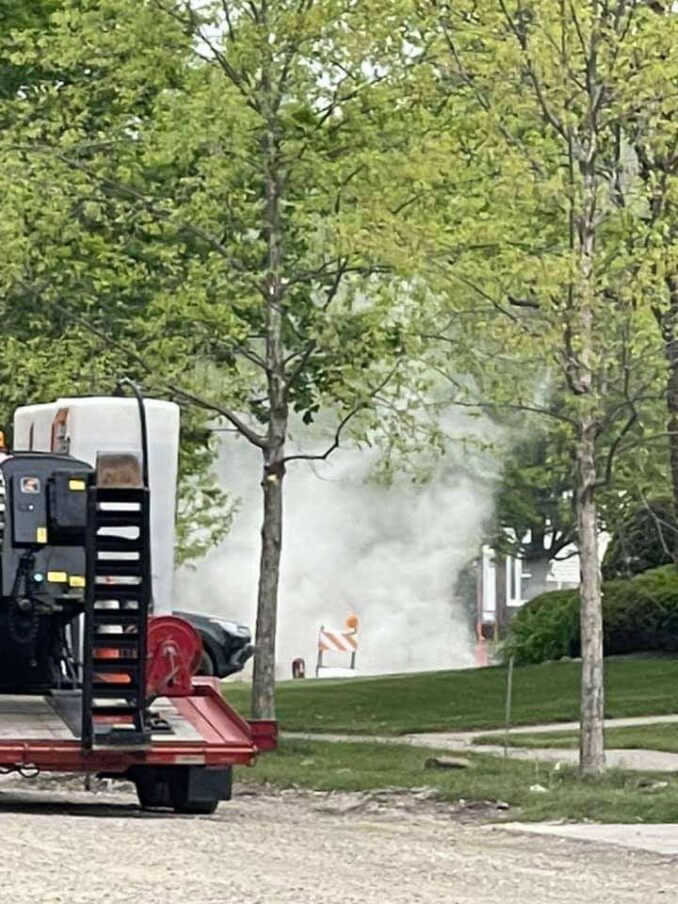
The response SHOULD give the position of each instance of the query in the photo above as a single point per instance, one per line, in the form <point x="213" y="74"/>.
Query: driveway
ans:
<point x="289" y="848"/>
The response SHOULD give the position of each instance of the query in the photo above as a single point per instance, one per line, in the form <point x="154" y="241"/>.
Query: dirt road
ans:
<point x="74" y="848"/>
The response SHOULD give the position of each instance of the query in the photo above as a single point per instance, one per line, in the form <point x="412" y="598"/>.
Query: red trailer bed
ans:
<point x="201" y="732"/>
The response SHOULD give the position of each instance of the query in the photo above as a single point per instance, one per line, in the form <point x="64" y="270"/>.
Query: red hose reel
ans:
<point x="174" y="652"/>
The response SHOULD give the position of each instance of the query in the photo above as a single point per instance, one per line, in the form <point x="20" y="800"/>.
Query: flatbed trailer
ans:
<point x="93" y="677"/>
<point x="185" y="765"/>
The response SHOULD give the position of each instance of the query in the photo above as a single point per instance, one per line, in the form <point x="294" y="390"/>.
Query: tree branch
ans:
<point x="251" y="435"/>
<point x="193" y="29"/>
<point x="514" y="406"/>
<point x="521" y="38"/>
<point x="336" y="442"/>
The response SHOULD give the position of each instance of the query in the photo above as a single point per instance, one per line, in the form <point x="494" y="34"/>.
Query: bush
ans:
<point x="645" y="539"/>
<point x="640" y="614"/>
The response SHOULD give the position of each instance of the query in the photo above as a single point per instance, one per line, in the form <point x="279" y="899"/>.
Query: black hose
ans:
<point x="137" y="393"/>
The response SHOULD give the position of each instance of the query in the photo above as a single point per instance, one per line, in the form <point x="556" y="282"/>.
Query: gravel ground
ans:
<point x="64" y="845"/>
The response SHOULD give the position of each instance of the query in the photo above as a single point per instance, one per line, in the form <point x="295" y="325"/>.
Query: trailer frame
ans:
<point x="223" y="739"/>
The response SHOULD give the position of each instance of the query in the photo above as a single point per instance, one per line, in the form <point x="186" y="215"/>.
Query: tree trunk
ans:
<point x="263" y="687"/>
<point x="592" y="739"/>
<point x="592" y="743"/>
<point x="668" y="323"/>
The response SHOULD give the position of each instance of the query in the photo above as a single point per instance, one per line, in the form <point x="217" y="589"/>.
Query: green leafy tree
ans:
<point x="644" y="539"/>
<point x="66" y="272"/>
<point x="248" y="172"/>
<point x="558" y="272"/>
<point x="17" y="16"/>
<point x="651" y="132"/>
<point x="535" y="517"/>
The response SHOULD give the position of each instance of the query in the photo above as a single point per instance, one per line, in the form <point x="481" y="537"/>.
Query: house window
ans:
<point x="514" y="581"/>
<point x="488" y="602"/>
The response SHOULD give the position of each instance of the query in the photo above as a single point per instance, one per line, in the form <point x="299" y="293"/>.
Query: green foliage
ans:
<point x="546" y="628"/>
<point x="137" y="220"/>
<point x="20" y="16"/>
<point x="76" y="276"/>
<point x="535" y="515"/>
<point x="550" y="291"/>
<point x="640" y="614"/>
<point x="204" y="510"/>
<point x="167" y="166"/>
<point x="644" y="539"/>
<point x="167" y="142"/>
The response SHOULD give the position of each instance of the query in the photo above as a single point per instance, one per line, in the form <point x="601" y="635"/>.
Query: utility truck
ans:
<point x="96" y="674"/>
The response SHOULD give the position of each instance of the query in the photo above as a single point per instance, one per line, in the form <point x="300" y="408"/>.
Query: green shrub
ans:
<point x="545" y="628"/>
<point x="640" y="614"/>
<point x="644" y="539"/>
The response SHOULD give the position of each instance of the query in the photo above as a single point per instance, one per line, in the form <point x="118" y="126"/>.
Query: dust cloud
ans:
<point x="389" y="554"/>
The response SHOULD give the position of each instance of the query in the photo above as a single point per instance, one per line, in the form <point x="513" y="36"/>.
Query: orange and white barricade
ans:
<point x="344" y="641"/>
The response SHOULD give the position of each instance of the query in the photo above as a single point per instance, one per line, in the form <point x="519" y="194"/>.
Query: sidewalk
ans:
<point x="643" y="760"/>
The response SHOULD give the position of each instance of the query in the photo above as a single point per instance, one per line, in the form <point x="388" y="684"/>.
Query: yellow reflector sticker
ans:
<point x="76" y="581"/>
<point x="77" y="485"/>
<point x="41" y="535"/>
<point x="57" y="577"/>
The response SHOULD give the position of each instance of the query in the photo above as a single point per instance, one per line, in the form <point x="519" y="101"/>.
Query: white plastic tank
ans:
<point x="83" y="427"/>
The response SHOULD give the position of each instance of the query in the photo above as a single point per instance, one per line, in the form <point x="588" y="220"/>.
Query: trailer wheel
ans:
<point x="153" y="790"/>
<point x="197" y="791"/>
<point x="148" y="798"/>
<point x="195" y="807"/>
<point x="194" y="790"/>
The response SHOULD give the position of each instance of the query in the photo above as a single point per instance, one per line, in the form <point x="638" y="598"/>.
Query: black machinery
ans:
<point x="76" y="542"/>
<point x="43" y="563"/>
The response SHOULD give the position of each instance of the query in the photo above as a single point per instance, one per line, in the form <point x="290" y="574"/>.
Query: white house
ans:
<point x="505" y="583"/>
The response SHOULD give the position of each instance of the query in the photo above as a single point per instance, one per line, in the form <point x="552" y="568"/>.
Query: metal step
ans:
<point x="112" y="518"/>
<point x="121" y="494"/>
<point x="115" y="617"/>
<point x="111" y="666"/>
<point x="110" y="710"/>
<point x="118" y="591"/>
<point x="118" y="567"/>
<point x="113" y="543"/>
<point x="115" y="641"/>
<point x="120" y="737"/>
<point x="104" y="690"/>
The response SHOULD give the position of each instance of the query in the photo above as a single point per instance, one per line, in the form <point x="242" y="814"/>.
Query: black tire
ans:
<point x="153" y="795"/>
<point x="182" y="803"/>
<point x="207" y="666"/>
<point x="190" y="790"/>
<point x="196" y="807"/>
<point x="196" y="791"/>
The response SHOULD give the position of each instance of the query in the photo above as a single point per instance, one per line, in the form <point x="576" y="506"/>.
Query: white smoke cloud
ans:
<point x="389" y="554"/>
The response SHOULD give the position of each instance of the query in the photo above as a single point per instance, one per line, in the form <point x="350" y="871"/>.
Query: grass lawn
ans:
<point x="466" y="699"/>
<point x="662" y="736"/>
<point x="620" y="797"/>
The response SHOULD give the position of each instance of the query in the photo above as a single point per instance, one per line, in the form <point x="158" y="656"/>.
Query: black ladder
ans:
<point x="117" y="605"/>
